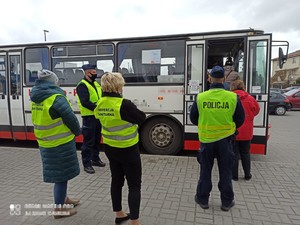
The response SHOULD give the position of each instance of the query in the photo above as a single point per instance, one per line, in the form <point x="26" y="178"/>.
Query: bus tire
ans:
<point x="161" y="136"/>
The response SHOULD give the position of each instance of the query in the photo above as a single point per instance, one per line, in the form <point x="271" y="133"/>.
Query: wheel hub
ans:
<point x="162" y="135"/>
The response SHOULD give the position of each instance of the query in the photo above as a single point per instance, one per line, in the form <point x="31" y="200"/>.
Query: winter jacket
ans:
<point x="251" y="108"/>
<point x="59" y="163"/>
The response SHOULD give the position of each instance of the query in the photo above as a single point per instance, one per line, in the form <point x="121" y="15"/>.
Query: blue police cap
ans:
<point x="217" y="72"/>
<point x="88" y="67"/>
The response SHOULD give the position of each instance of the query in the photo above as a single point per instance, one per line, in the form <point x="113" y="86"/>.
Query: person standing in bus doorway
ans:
<point x="245" y="132"/>
<point x="217" y="113"/>
<point x="55" y="126"/>
<point x="120" y="119"/>
<point x="230" y="74"/>
<point x="88" y="94"/>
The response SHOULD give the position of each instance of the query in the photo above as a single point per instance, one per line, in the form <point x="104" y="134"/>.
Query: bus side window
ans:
<point x="31" y="77"/>
<point x="2" y="84"/>
<point x="60" y="76"/>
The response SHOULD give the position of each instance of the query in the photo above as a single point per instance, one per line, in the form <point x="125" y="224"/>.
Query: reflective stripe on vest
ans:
<point x="94" y="97"/>
<point x="49" y="133"/>
<point x="216" y="108"/>
<point x="115" y="131"/>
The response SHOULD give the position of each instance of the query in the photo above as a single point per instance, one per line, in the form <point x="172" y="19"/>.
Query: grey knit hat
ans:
<point x="48" y="76"/>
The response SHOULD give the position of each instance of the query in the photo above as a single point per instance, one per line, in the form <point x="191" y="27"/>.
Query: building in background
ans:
<point x="290" y="72"/>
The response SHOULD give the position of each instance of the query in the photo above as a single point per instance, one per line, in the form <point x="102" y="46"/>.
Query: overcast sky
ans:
<point x="23" y="21"/>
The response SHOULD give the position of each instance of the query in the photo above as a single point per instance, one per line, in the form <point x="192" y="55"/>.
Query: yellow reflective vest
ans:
<point x="48" y="132"/>
<point x="94" y="97"/>
<point x="115" y="131"/>
<point x="216" y="108"/>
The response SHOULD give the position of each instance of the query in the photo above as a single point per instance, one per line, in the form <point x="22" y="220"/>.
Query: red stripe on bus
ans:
<point x="5" y="135"/>
<point x="191" y="145"/>
<point x="254" y="148"/>
<point x="31" y="136"/>
<point x="257" y="149"/>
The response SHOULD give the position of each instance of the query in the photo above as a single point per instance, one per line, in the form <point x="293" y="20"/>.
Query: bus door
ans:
<point x="194" y="83"/>
<point x="5" y="122"/>
<point x="11" y="106"/>
<point x="257" y="82"/>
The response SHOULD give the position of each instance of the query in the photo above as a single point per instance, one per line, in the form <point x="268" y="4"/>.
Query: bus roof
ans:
<point x="171" y="36"/>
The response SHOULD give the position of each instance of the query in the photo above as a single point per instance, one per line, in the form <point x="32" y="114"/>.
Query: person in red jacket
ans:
<point x="245" y="132"/>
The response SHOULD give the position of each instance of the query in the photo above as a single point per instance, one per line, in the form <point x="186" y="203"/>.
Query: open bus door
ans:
<point x="257" y="83"/>
<point x="11" y="101"/>
<point x="194" y="83"/>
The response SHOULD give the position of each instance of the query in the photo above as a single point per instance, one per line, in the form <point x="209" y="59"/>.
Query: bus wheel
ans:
<point x="162" y="136"/>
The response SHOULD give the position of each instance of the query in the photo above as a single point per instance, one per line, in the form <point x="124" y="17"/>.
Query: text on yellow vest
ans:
<point x="216" y="108"/>
<point x="49" y="132"/>
<point x="115" y="131"/>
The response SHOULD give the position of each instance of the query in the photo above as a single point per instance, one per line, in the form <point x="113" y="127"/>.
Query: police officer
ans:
<point x="218" y="113"/>
<point x="88" y="93"/>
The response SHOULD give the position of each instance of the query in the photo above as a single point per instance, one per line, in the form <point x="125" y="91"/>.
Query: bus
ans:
<point x="163" y="75"/>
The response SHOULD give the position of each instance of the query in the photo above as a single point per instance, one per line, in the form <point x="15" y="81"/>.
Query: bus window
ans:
<point x="258" y="66"/>
<point x="35" y="59"/>
<point x="15" y="75"/>
<point x="152" y="62"/>
<point x="195" y="68"/>
<point x="2" y="76"/>
<point x="68" y="60"/>
<point x="240" y="65"/>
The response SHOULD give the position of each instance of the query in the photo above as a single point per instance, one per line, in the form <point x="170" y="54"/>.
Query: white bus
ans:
<point x="163" y="74"/>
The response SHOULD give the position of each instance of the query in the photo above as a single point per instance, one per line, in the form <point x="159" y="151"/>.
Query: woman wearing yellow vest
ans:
<point x="120" y="119"/>
<point x="55" y="126"/>
<point x="217" y="113"/>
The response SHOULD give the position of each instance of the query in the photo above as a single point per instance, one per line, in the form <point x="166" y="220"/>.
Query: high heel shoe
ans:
<point x="120" y="220"/>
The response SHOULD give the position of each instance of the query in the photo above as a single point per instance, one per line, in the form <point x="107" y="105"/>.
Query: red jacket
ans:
<point x="251" y="108"/>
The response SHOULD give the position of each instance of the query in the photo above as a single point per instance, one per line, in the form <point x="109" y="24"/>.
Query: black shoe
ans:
<point x="89" y="169"/>
<point x="226" y="208"/>
<point x="248" y="177"/>
<point x="119" y="220"/>
<point x="235" y="178"/>
<point x="203" y="206"/>
<point x="98" y="163"/>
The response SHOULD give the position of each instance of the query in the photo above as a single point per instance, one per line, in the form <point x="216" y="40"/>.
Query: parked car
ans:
<point x="294" y="97"/>
<point x="290" y="88"/>
<point x="281" y="91"/>
<point x="278" y="103"/>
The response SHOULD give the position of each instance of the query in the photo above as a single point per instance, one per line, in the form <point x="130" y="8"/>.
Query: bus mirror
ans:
<point x="282" y="58"/>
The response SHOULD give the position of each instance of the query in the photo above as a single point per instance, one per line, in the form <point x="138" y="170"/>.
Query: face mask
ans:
<point x="93" y="77"/>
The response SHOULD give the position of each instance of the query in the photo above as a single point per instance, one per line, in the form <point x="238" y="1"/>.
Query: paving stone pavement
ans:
<point x="168" y="189"/>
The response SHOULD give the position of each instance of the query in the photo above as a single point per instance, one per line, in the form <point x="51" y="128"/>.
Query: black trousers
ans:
<point x="125" y="163"/>
<point x="91" y="131"/>
<point x="223" y="151"/>
<point x="242" y="151"/>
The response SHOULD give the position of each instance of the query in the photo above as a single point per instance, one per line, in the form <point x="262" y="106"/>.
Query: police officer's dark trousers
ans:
<point x="91" y="131"/>
<point x="223" y="151"/>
